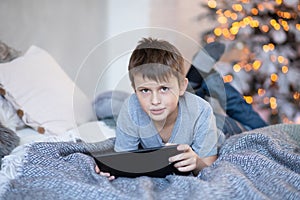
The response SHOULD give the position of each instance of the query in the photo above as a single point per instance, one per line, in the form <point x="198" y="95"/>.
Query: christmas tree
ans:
<point x="267" y="36"/>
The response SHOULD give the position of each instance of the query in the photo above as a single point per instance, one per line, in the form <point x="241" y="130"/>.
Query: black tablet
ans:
<point x="143" y="162"/>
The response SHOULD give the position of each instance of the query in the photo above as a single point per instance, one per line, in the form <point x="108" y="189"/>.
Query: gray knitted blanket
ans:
<point x="260" y="164"/>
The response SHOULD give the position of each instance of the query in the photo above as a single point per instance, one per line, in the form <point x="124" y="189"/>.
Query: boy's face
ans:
<point x="159" y="99"/>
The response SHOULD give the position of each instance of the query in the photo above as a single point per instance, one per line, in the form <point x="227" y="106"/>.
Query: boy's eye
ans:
<point x="144" y="90"/>
<point x="164" y="89"/>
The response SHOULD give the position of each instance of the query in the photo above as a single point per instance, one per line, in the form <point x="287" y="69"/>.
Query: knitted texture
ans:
<point x="8" y="141"/>
<point x="259" y="164"/>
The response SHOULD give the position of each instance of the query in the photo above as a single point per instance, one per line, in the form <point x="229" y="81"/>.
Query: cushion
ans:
<point x="108" y="104"/>
<point x="43" y="94"/>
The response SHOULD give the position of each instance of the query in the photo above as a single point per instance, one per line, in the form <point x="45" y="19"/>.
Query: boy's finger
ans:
<point x="183" y="147"/>
<point x="177" y="157"/>
<point x="97" y="169"/>
<point x="105" y="174"/>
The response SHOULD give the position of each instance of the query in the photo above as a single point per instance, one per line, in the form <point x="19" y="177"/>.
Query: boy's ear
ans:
<point x="183" y="86"/>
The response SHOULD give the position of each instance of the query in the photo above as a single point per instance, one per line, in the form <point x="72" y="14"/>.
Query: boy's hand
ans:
<point x="106" y="174"/>
<point x="188" y="160"/>
<point x="185" y="161"/>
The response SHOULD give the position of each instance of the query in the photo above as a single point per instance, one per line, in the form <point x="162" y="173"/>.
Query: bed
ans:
<point x="50" y="160"/>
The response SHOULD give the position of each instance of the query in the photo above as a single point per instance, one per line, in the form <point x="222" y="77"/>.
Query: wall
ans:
<point x="181" y="16"/>
<point x="67" y="30"/>
<point x="174" y="20"/>
<point x="92" y="40"/>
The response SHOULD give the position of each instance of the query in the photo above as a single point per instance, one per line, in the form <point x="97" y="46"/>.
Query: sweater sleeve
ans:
<point x="206" y="136"/>
<point x="126" y="132"/>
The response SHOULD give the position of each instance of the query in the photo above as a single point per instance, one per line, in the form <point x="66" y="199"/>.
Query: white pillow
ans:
<point x="48" y="100"/>
<point x="91" y="132"/>
<point x="29" y="135"/>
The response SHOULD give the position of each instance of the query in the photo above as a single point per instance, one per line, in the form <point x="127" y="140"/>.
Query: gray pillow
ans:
<point x="109" y="103"/>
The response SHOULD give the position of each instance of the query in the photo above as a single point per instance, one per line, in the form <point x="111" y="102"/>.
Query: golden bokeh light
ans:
<point x="261" y="92"/>
<point x="237" y="67"/>
<point x="222" y="19"/>
<point x="271" y="46"/>
<point x="296" y="95"/>
<point x="254" y="11"/>
<point x="273" y="103"/>
<point x="233" y="16"/>
<point x="218" y="31"/>
<point x="284" y="69"/>
<point x="210" y="39"/>
<point x="265" y="28"/>
<point x="273" y="100"/>
<point x="227" y="78"/>
<point x="212" y="3"/>
<point x="256" y="64"/>
<point x="248" y="99"/>
<point x="237" y="7"/>
<point x="227" y="13"/>
<point x="225" y="33"/>
<point x="280" y="59"/>
<point x="266" y="48"/>
<point x="254" y="23"/>
<point x="274" y="77"/>
<point x="234" y="30"/>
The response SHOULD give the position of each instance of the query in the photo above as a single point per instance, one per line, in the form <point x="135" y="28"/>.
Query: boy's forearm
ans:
<point x="203" y="162"/>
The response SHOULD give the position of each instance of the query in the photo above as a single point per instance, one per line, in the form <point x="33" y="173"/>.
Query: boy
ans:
<point x="161" y="111"/>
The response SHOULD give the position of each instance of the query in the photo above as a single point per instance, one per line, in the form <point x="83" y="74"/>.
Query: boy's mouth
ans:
<point x="157" y="111"/>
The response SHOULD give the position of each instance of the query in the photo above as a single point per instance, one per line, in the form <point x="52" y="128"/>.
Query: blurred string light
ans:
<point x="227" y="78"/>
<point x="245" y="17"/>
<point x="224" y="16"/>
<point x="256" y="64"/>
<point x="284" y="69"/>
<point x="261" y="92"/>
<point x="212" y="4"/>
<point x="274" y="77"/>
<point x="248" y="99"/>
<point x="273" y="103"/>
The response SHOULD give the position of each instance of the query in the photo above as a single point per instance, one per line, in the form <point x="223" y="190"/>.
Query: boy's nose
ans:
<point x="155" y="99"/>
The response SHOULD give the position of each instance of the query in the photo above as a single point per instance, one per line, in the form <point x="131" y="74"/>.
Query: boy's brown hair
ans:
<point x="156" y="60"/>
